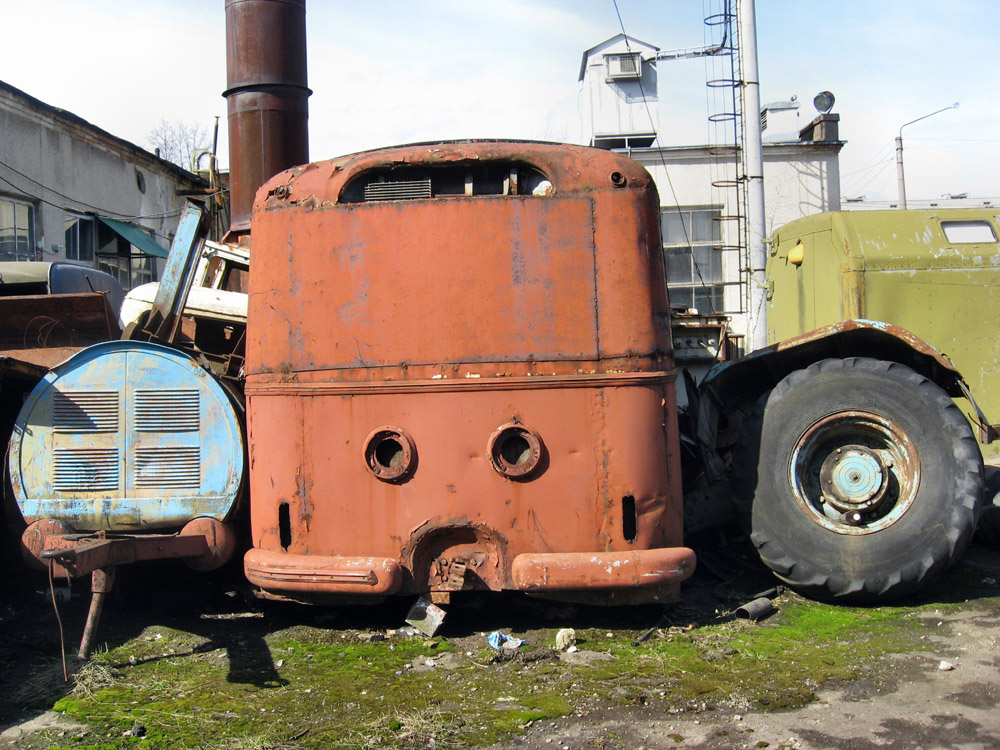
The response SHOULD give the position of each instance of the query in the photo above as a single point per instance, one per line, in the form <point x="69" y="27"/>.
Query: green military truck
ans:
<point x="933" y="272"/>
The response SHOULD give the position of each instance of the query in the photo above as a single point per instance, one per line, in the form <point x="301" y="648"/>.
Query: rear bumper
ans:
<point x="282" y="573"/>
<point x="602" y="571"/>
<point x="533" y="572"/>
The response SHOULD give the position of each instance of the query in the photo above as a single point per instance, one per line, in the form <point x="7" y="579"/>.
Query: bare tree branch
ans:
<point x="178" y="141"/>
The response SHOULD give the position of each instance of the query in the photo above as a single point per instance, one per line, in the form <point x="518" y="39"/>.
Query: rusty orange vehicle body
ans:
<point x="459" y="376"/>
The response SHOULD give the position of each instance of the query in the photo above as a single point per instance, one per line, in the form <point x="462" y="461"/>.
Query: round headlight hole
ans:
<point x="514" y="450"/>
<point x="389" y="454"/>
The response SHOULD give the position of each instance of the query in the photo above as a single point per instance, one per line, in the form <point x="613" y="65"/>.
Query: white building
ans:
<point x="699" y="185"/>
<point x="70" y="191"/>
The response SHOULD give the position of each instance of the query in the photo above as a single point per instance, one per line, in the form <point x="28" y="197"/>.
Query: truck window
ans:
<point x="968" y="232"/>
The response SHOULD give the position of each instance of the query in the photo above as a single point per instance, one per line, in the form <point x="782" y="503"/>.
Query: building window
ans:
<point x="118" y="257"/>
<point x="17" y="230"/>
<point x="692" y="238"/>
<point x="79" y="237"/>
<point x="131" y="271"/>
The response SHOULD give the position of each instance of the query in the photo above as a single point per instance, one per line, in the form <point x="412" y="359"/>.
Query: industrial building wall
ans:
<point x="69" y="173"/>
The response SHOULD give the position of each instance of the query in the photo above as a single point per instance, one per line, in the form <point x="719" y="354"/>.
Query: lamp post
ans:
<point x="899" y="152"/>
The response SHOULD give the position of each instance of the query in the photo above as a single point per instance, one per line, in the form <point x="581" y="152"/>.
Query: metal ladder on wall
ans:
<point x="726" y="136"/>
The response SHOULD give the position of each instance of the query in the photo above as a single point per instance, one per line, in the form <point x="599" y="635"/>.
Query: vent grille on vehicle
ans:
<point x="168" y="410"/>
<point x="398" y="191"/>
<point x="175" y="468"/>
<point x="85" y="412"/>
<point x="85" y="469"/>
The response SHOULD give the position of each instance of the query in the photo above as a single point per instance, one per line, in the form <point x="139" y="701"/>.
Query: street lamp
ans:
<point x="899" y="152"/>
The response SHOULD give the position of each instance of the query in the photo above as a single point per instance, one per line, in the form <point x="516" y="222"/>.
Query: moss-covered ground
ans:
<point x="196" y="665"/>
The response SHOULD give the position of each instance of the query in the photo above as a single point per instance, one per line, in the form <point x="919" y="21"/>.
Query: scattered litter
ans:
<point x="544" y="188"/>
<point x="989" y="581"/>
<point x="425" y="616"/>
<point x="137" y="730"/>
<point x="945" y="666"/>
<point x="572" y="650"/>
<point x="279" y="664"/>
<point x="758" y="609"/>
<point x="565" y="638"/>
<point x="498" y="640"/>
<point x="649" y="633"/>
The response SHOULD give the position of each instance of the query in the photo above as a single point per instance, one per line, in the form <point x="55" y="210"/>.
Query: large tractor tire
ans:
<point x="859" y="479"/>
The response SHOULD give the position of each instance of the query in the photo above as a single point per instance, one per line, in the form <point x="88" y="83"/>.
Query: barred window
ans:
<point x="691" y="241"/>
<point x="17" y="230"/>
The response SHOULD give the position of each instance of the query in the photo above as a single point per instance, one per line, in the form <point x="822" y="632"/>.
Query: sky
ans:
<point x="400" y="71"/>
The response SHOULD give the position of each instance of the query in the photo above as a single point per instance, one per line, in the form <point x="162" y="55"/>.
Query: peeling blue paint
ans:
<point x="127" y="436"/>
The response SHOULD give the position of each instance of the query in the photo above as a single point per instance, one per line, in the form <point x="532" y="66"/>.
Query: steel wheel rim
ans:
<point x="854" y="472"/>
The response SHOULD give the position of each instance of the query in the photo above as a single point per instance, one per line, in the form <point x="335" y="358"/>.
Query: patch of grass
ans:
<point x="407" y="729"/>
<point x="253" y="684"/>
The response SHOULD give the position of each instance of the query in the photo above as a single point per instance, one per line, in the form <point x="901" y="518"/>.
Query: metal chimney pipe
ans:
<point x="267" y="96"/>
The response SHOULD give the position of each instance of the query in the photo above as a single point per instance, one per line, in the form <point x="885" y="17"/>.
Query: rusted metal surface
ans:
<point x="267" y="95"/>
<point x="207" y="543"/>
<point x="32" y="325"/>
<point x="101" y="583"/>
<point x="203" y="543"/>
<point x="732" y="384"/>
<point x="854" y="472"/>
<point x="543" y="571"/>
<point x="305" y="573"/>
<point x="512" y="334"/>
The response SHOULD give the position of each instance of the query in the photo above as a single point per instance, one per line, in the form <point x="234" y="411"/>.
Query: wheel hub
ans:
<point x="854" y="479"/>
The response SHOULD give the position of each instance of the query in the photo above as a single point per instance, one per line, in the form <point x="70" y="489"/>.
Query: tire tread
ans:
<point x="795" y="568"/>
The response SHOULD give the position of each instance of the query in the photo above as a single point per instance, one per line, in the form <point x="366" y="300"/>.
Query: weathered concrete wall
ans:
<point x="68" y="165"/>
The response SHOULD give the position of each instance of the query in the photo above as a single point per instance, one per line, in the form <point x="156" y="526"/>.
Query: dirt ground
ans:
<point x="944" y="697"/>
<point x="942" y="693"/>
<point x="941" y="698"/>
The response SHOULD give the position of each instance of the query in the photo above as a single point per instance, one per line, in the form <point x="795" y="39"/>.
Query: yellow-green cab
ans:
<point x="934" y="272"/>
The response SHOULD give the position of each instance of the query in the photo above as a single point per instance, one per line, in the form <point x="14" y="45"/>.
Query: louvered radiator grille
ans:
<point x="398" y="191"/>
<point x="167" y="411"/>
<point x="85" y="412"/>
<point x="174" y="468"/>
<point x="85" y="469"/>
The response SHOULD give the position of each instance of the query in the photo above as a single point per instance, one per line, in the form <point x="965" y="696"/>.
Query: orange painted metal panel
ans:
<point x="540" y="571"/>
<point x="450" y="382"/>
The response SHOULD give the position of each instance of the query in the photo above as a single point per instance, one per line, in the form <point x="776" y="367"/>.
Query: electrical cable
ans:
<point x="116" y="214"/>
<point x="663" y="161"/>
<point x="55" y="606"/>
<point x="103" y="211"/>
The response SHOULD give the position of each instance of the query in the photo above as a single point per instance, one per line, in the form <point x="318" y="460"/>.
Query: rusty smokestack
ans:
<point x="267" y="96"/>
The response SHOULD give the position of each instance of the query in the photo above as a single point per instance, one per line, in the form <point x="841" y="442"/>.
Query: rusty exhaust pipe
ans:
<point x="267" y="97"/>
